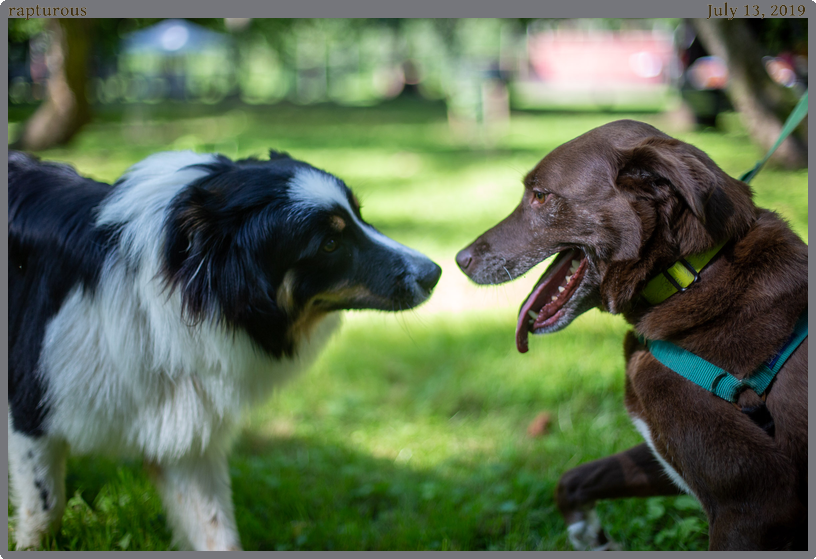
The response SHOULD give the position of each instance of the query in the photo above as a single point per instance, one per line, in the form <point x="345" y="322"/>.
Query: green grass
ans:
<point x="410" y="432"/>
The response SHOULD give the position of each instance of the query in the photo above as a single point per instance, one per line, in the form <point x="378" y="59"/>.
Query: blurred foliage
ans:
<point x="352" y="61"/>
<point x="108" y="32"/>
<point x="21" y="30"/>
<point x="780" y="34"/>
<point x="356" y="61"/>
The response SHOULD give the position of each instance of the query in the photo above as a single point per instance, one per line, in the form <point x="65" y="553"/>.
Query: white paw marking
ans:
<point x="584" y="535"/>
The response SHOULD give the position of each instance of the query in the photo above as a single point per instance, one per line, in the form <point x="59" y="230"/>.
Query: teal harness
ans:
<point x="719" y="381"/>
<point x="696" y="369"/>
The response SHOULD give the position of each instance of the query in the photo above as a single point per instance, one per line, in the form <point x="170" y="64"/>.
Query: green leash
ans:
<point x="685" y="272"/>
<point x="793" y="121"/>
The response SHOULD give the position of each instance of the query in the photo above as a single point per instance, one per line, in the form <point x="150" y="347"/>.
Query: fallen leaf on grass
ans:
<point x="540" y="426"/>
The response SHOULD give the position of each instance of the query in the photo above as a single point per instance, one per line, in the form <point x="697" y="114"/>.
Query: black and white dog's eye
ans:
<point x="540" y="196"/>
<point x="330" y="245"/>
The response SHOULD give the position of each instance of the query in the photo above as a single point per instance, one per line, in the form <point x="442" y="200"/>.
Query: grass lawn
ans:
<point x="410" y="432"/>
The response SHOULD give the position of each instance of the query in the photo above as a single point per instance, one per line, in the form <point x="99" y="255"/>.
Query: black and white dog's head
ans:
<point x="267" y="246"/>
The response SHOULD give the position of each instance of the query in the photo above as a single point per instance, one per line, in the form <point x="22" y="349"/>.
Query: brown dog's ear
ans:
<point x="689" y="171"/>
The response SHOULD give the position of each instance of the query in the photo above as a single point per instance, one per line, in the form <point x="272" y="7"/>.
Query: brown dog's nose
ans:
<point x="464" y="258"/>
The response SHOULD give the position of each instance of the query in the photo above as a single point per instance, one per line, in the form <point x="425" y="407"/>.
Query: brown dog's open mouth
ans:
<point x="544" y="306"/>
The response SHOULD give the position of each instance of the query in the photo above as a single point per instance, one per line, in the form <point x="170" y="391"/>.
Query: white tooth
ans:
<point x="554" y="297"/>
<point x="560" y="288"/>
<point x="569" y="279"/>
<point x="575" y="265"/>
<point x="532" y="314"/>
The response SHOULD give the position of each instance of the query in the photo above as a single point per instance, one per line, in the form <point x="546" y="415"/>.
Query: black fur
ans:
<point x="50" y="214"/>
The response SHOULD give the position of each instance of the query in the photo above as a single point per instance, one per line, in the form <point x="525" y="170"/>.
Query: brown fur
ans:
<point x="338" y="223"/>
<point x="634" y="201"/>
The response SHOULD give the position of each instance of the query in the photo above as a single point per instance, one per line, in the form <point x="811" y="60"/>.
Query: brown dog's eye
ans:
<point x="540" y="197"/>
<point x="330" y="245"/>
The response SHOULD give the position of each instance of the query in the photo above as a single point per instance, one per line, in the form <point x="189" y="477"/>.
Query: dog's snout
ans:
<point x="428" y="276"/>
<point x="464" y="258"/>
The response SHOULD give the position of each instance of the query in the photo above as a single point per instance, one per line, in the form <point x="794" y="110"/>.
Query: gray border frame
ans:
<point x="367" y="8"/>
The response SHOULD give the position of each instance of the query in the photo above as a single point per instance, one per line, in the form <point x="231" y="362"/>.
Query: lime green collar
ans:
<point x="679" y="276"/>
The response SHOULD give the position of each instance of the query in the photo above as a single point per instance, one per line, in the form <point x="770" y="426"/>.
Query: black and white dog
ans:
<point x="144" y="316"/>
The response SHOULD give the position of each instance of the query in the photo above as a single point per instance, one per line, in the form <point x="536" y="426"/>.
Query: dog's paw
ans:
<point x="588" y="535"/>
<point x="29" y="527"/>
<point x="27" y="540"/>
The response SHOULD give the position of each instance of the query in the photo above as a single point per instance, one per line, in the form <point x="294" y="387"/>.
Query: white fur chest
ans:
<point x="125" y="375"/>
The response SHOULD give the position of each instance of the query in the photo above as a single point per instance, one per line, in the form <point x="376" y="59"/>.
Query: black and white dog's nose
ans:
<point x="428" y="275"/>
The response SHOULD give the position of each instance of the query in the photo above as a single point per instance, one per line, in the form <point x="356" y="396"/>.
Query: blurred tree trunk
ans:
<point x="65" y="109"/>
<point x="763" y="104"/>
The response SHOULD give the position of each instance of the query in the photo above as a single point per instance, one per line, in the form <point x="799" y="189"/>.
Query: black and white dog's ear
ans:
<point x="188" y="246"/>
<point x="202" y="261"/>
<point x="199" y="258"/>
<point x="274" y="155"/>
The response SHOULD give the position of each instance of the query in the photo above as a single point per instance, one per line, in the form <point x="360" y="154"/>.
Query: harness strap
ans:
<point x="719" y="381"/>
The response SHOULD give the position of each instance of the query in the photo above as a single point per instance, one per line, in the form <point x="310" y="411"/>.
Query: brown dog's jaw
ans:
<point x="543" y="311"/>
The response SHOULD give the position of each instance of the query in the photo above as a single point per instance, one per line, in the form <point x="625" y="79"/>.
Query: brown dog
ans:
<point x="621" y="204"/>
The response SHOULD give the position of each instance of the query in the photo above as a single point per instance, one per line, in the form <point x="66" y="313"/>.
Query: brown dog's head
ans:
<point x="618" y="204"/>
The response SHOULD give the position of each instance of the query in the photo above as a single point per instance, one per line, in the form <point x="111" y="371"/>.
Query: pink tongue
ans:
<point x="521" y="340"/>
<point x="523" y="325"/>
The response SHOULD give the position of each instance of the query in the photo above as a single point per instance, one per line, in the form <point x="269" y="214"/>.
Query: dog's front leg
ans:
<point x="197" y="496"/>
<point x="633" y="473"/>
<point x="37" y="478"/>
